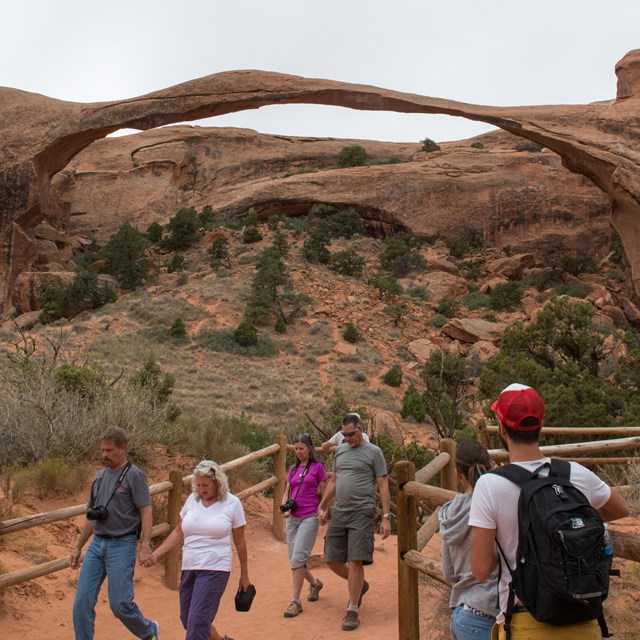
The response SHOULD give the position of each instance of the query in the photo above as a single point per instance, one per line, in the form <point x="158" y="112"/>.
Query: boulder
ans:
<point x="511" y="267"/>
<point x="344" y="348"/>
<point x="422" y="349"/>
<point x="443" y="285"/>
<point x="474" y="329"/>
<point x="483" y="350"/>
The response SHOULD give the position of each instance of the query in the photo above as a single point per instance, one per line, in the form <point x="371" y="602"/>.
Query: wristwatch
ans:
<point x="387" y="515"/>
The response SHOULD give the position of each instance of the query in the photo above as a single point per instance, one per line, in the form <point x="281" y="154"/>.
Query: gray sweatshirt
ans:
<point x="456" y="559"/>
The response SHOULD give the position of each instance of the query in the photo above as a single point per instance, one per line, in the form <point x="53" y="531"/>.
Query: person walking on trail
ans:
<point x="337" y="438"/>
<point x="359" y="467"/>
<point x="306" y="479"/>
<point x="473" y="603"/>
<point x="118" y="513"/>
<point x="494" y="514"/>
<point x="211" y="518"/>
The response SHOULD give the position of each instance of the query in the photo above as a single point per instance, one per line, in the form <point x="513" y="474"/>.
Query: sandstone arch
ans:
<point x="40" y="136"/>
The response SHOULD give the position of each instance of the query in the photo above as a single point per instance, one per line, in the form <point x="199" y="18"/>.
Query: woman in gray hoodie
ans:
<point x="474" y="604"/>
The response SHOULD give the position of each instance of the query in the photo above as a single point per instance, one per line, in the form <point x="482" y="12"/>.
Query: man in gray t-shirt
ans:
<point x="118" y="512"/>
<point x="359" y="468"/>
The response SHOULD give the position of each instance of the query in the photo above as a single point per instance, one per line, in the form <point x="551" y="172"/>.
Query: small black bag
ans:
<point x="244" y="599"/>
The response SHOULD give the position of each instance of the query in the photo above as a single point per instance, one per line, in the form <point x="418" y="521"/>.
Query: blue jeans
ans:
<point x="115" y="559"/>
<point x="467" y="625"/>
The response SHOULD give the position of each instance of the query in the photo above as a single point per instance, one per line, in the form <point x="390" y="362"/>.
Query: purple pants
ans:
<point x="200" y="595"/>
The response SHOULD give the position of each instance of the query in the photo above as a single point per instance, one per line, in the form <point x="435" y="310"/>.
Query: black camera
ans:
<point x="289" y="505"/>
<point x="97" y="513"/>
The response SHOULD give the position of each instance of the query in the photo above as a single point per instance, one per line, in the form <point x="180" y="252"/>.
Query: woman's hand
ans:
<point x="244" y="583"/>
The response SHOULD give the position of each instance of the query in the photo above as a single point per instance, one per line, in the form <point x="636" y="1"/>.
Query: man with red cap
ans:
<point x="494" y="510"/>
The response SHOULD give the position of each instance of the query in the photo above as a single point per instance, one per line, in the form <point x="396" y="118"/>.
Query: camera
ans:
<point x="289" y="505"/>
<point x="97" y="513"/>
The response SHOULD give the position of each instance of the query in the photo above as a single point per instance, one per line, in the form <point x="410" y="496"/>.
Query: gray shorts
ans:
<point x="301" y="536"/>
<point x="350" y="536"/>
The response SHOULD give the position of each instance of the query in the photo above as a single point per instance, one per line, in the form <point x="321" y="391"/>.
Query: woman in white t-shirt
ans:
<point x="212" y="518"/>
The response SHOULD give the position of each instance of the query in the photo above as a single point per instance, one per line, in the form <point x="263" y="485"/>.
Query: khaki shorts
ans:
<point x="350" y="536"/>
<point x="525" y="627"/>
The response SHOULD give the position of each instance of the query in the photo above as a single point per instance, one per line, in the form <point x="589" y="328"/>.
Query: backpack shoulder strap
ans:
<point x="513" y="472"/>
<point x="560" y="468"/>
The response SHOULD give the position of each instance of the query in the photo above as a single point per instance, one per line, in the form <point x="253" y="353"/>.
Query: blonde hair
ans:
<point x="213" y="471"/>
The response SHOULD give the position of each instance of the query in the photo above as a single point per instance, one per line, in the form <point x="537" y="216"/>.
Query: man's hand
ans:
<point x="385" y="528"/>
<point x="144" y="555"/>
<point x="74" y="558"/>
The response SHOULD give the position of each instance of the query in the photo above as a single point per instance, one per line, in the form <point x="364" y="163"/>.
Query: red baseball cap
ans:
<point x="517" y="402"/>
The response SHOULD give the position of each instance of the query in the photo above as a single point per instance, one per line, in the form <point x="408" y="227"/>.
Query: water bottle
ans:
<point x="608" y="542"/>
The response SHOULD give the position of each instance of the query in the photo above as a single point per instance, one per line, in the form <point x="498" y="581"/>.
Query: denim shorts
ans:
<point x="350" y="536"/>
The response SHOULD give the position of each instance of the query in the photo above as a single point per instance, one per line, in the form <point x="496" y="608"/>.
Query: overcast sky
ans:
<point x="498" y="52"/>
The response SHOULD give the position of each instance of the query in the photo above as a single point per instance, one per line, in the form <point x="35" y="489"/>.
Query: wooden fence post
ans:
<point x="408" y="609"/>
<point x="280" y="470"/>
<point x="448" y="476"/>
<point x="172" y="559"/>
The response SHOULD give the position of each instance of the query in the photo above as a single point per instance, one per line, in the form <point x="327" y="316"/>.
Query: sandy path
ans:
<point x="42" y="608"/>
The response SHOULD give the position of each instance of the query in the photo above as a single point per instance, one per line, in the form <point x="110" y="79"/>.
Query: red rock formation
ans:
<point x="41" y="135"/>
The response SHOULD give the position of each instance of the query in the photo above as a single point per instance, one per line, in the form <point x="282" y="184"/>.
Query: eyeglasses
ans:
<point x="350" y="434"/>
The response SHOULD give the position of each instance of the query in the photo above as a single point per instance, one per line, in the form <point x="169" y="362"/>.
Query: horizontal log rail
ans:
<point x="163" y="528"/>
<point x="424" y="565"/>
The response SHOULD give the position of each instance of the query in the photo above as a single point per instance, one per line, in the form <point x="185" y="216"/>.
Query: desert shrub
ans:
<point x="470" y="239"/>
<point x="506" y="295"/>
<point x="347" y="262"/>
<point x="477" y="145"/>
<point x="449" y="307"/>
<point x="352" y="156"/>
<point x="351" y="334"/>
<point x="393" y="377"/>
<point x="475" y="300"/>
<point x="85" y="292"/>
<point x="178" y="329"/>
<point x="154" y="233"/>
<point x="251" y="235"/>
<point x="298" y="225"/>
<point x="418" y="293"/>
<point x="176" y="263"/>
<point x="314" y="249"/>
<point x="398" y="256"/>
<point x="206" y="219"/>
<point x="532" y="147"/>
<point x="470" y="269"/>
<point x="345" y="224"/>
<point x="388" y="287"/>
<point x="224" y="341"/>
<point x="575" y="265"/>
<point x="429" y="145"/>
<point x="280" y="325"/>
<point x="183" y="229"/>
<point x="273" y="221"/>
<point x="413" y="405"/>
<point x="124" y="256"/>
<point x="87" y="381"/>
<point x="616" y="251"/>
<point x="616" y="275"/>
<point x="438" y="321"/>
<point x="245" y="334"/>
<point x="280" y="243"/>
<point x="55" y="475"/>
<point x="219" y="253"/>
<point x="158" y="385"/>
<point x="572" y="289"/>
<point x="544" y="279"/>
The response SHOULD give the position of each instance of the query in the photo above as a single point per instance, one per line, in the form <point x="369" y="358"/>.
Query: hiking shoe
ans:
<point x="365" y="588"/>
<point x="293" y="610"/>
<point x="156" y="631"/>
<point x="351" y="621"/>
<point x="314" y="591"/>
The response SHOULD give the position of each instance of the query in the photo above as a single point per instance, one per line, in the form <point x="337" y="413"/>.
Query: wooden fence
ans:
<point x="412" y="488"/>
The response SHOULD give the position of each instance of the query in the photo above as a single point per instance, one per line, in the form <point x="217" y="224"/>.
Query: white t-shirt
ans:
<point x="495" y="506"/>
<point x="337" y="438"/>
<point x="208" y="532"/>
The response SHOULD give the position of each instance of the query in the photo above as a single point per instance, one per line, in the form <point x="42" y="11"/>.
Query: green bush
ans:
<point x="506" y="295"/>
<point x="475" y="300"/>
<point x="413" y="405"/>
<point x="352" y="156"/>
<point x="345" y="224"/>
<point x="176" y="263"/>
<point x="571" y="289"/>
<point x="224" y="341"/>
<point x="393" y="377"/>
<point x="86" y="381"/>
<point x="206" y="218"/>
<point x="532" y="147"/>
<point x="124" y="256"/>
<point x="429" y="145"/>
<point x="351" y="334"/>
<point x="449" y="307"/>
<point x="470" y="239"/>
<point x="251" y="235"/>
<point x="219" y="253"/>
<point x="477" y="145"/>
<point x="273" y="222"/>
<point x="280" y="326"/>
<point x="575" y="265"/>
<point x="178" y="329"/>
<point x="388" y="287"/>
<point x="438" y="321"/>
<point x="183" y="228"/>
<point x="616" y="251"/>
<point x="314" y="248"/>
<point x="154" y="233"/>
<point x="245" y="334"/>
<point x="347" y="262"/>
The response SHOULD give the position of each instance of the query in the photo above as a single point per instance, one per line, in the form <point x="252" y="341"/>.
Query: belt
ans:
<point x="466" y="607"/>
<point x="108" y="536"/>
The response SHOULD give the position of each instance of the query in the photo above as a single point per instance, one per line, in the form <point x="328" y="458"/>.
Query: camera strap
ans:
<point x="302" y="476"/>
<point x="119" y="482"/>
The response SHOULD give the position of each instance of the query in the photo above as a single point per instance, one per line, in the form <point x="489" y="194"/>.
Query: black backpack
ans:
<point x="562" y="571"/>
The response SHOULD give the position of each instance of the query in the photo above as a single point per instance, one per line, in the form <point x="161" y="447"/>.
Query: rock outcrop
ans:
<point x="41" y="135"/>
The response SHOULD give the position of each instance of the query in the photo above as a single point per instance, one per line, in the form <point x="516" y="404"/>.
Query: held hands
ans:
<point x="147" y="560"/>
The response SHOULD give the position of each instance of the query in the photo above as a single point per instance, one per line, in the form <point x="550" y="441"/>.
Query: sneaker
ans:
<point x="293" y="610"/>
<point x="314" y="591"/>
<point x="351" y="621"/>
<point x="156" y="631"/>
<point x="365" y="588"/>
